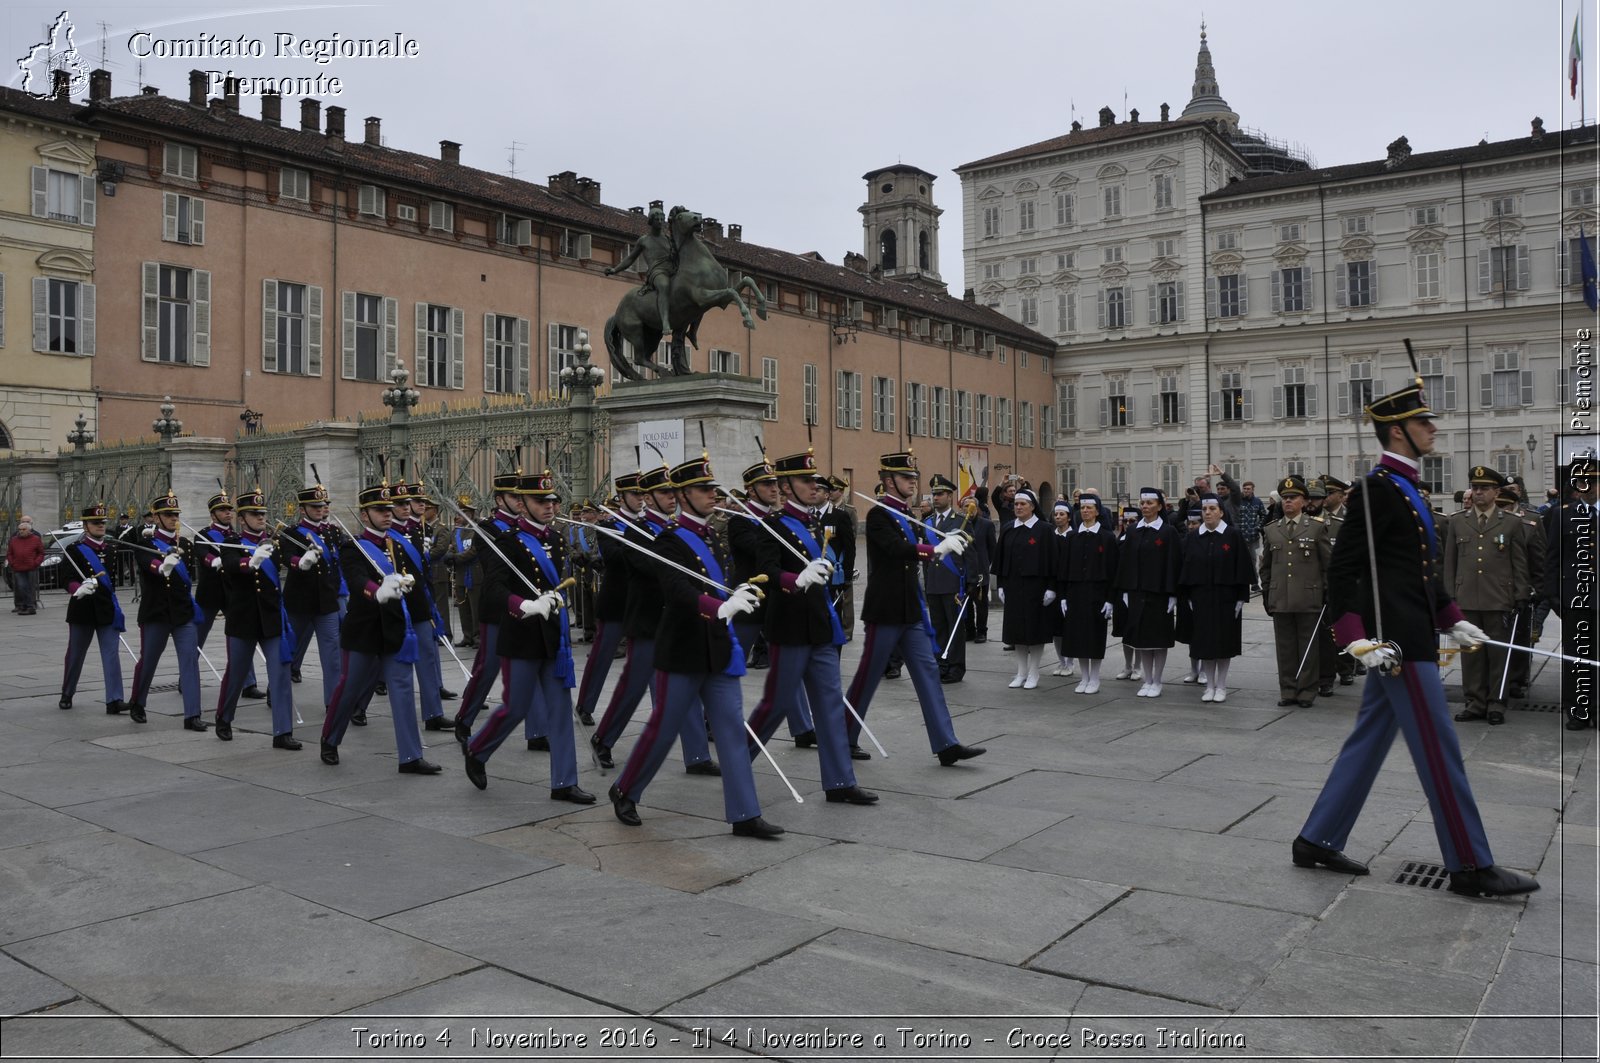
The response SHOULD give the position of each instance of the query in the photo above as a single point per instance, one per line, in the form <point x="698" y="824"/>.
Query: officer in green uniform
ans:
<point x="1295" y="552"/>
<point x="1486" y="571"/>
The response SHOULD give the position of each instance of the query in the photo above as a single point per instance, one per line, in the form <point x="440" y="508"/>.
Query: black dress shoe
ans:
<point x="950" y="754"/>
<point x="981" y="638"/>
<point x="1284" y="702"/>
<point x="446" y="695"/>
<point x="705" y="767"/>
<point x="575" y="794"/>
<point x="225" y="730"/>
<point x="891" y="673"/>
<point x="463" y="733"/>
<point x="1491" y="881"/>
<point x="756" y="827"/>
<point x="539" y="744"/>
<point x="602" y="753"/>
<point x="136" y="712"/>
<point x="64" y="703"/>
<point x="476" y="772"/>
<point x="1325" y="690"/>
<point x="1467" y="714"/>
<point x="358" y="719"/>
<point x="382" y="690"/>
<point x="330" y="753"/>
<point x="1007" y="646"/>
<point x="463" y="644"/>
<point x="438" y="723"/>
<point x="857" y="753"/>
<point x="114" y="707"/>
<point x="952" y="677"/>
<point x="805" y="740"/>
<point x="1496" y="717"/>
<point x="1346" y="680"/>
<point x="194" y="723"/>
<point x="253" y="692"/>
<point x="294" y="676"/>
<point x="851" y="795"/>
<point x="1361" y="669"/>
<point x="420" y="767"/>
<point x="586" y="718"/>
<point x="1306" y="704"/>
<point x="287" y="740"/>
<point x="1310" y="854"/>
<point x="623" y="806"/>
<point x="1516" y="692"/>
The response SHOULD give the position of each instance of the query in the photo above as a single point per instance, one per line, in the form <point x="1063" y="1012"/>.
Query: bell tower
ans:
<point x="900" y="224"/>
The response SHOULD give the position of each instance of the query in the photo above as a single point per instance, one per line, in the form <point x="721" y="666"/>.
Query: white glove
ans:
<point x="1105" y="611"/>
<point x="466" y="543"/>
<point x="1049" y="597"/>
<point x="1238" y="610"/>
<point x="407" y="582"/>
<point x="1124" y="599"/>
<point x="170" y="562"/>
<point x="1372" y="654"/>
<point x="259" y="555"/>
<point x="815" y="574"/>
<point x="1000" y="592"/>
<point x="1468" y="634"/>
<point x="389" y="589"/>
<point x="309" y="559"/>
<point x="1172" y="607"/>
<point x="529" y="607"/>
<point x="545" y="604"/>
<point x="86" y="588"/>
<point x="742" y="600"/>
<point x="216" y="562"/>
<point x="1063" y="607"/>
<point x="954" y="544"/>
<point x="427" y="543"/>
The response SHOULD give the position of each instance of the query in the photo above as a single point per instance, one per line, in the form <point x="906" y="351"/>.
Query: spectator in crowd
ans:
<point x="24" y="555"/>
<point x="1252" y="515"/>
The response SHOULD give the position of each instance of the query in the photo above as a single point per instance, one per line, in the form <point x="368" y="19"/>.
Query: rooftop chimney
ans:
<point x="99" y="85"/>
<point x="1077" y="126"/>
<point x="589" y="190"/>
<point x="151" y="90"/>
<point x="374" y="132"/>
<point x="230" y="94"/>
<point x="1107" y="117"/>
<point x="1164" y="113"/>
<point x="1538" y="129"/>
<point x="272" y="108"/>
<point x="1133" y="116"/>
<point x="711" y="227"/>
<point x="636" y="210"/>
<point x="197" y="88"/>
<point x="335" y="124"/>
<point x="969" y="296"/>
<point x="310" y="115"/>
<point x="565" y="181"/>
<point x="450" y="152"/>
<point x="854" y="260"/>
<point x="61" y="84"/>
<point x="1399" y="152"/>
<point x="735" y="232"/>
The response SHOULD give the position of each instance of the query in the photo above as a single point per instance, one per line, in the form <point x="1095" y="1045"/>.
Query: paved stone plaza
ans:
<point x="1114" y="864"/>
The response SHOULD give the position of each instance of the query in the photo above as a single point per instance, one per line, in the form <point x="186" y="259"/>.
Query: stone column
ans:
<point x="197" y="464"/>
<point x="39" y="485"/>
<point x="729" y="408"/>
<point x="331" y="447"/>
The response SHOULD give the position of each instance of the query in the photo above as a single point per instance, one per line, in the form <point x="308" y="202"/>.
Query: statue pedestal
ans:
<point x="671" y="412"/>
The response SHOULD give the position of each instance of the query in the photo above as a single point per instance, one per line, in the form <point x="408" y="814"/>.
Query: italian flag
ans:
<point x="1574" y="57"/>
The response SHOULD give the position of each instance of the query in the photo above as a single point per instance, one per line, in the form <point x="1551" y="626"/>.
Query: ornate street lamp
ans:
<point x="166" y="426"/>
<point x="80" y="437"/>
<point x="401" y="397"/>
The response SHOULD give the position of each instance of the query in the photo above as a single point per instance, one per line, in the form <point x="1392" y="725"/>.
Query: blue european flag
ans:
<point x="1591" y="293"/>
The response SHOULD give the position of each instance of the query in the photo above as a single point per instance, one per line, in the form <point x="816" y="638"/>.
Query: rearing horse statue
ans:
<point x="698" y="283"/>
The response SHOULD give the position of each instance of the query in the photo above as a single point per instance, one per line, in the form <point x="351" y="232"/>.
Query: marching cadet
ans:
<point x="944" y="582"/>
<point x="312" y="590"/>
<point x="93" y="612"/>
<point x="462" y="559"/>
<point x="486" y="665"/>
<point x="648" y="513"/>
<point x="697" y="658"/>
<point x="838" y="514"/>
<point x="1486" y="571"/>
<point x="804" y="630"/>
<point x="1295" y="552"/>
<point x="167" y="611"/>
<point x="256" y="617"/>
<point x="407" y="533"/>
<point x="895" y="614"/>
<point x="534" y="644"/>
<point x="610" y="609"/>
<point x="211" y="587"/>
<point x="377" y="635"/>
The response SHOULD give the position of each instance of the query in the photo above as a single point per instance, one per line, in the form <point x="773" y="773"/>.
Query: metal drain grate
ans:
<point x="163" y="688"/>
<point x="1537" y="706"/>
<point x="1427" y="876"/>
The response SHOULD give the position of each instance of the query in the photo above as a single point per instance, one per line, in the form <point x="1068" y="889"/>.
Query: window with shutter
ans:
<point x="458" y="348"/>
<point x="769" y="385"/>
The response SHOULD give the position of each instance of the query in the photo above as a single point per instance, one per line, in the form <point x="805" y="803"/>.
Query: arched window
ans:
<point x="886" y="250"/>
<point x="922" y="250"/>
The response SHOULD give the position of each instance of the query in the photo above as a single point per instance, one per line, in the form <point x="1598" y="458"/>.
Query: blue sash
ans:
<point x="713" y="567"/>
<point x="119" y="622"/>
<point x="269" y="568"/>
<point x="183" y="573"/>
<point x="466" y="573"/>
<point x="814" y="550"/>
<point x="911" y="536"/>
<point x="407" y="653"/>
<point x="564" y="669"/>
<point x="1424" y="511"/>
<point x="314" y="539"/>
<point x="422" y="575"/>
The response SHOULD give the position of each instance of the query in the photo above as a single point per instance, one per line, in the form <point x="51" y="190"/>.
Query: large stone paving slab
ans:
<point x="1518" y="834"/>
<point x="208" y="815"/>
<point x="928" y="901"/>
<point x="1111" y="1022"/>
<point x="1168" y="805"/>
<point x="636" y="946"/>
<point x="1067" y="754"/>
<point x="292" y="772"/>
<point x="446" y="802"/>
<point x="963" y="829"/>
<point x="1190" y="863"/>
<point x="1207" y="952"/>
<point x="258" y="951"/>
<point x="1382" y="818"/>
<point x="1529" y="985"/>
<point x="372" y="867"/>
<point x="23" y="989"/>
<point x="1561" y="919"/>
<point x="1439" y="931"/>
<point x="78" y="1030"/>
<point x="50" y="886"/>
<point x="91" y="775"/>
<point x="25" y="823"/>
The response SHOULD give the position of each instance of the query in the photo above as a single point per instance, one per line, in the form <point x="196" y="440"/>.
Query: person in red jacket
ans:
<point x="24" y="555"/>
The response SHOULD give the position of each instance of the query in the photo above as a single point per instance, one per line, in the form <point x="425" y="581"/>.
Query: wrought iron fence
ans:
<point x="125" y="476"/>
<point x="275" y="462"/>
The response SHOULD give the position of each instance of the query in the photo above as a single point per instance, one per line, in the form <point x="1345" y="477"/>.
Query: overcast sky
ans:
<point x="768" y="114"/>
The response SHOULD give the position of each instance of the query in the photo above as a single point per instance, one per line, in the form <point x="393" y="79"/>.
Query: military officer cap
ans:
<point x="628" y="481"/>
<point x="657" y="479"/>
<point x="940" y="482"/>
<point x="1314" y="489"/>
<point x="506" y="482"/>
<point x="251" y="502"/>
<point x="761" y="472"/>
<point x="220" y="500"/>
<point x="1407" y="404"/>
<point x="693" y="473"/>
<point x="95" y="511"/>
<point x="464" y="502"/>
<point x="1484" y="476"/>
<point x="903" y="462"/>
<point x="837" y="483"/>
<point x="378" y="496"/>
<point x="1333" y="483"/>
<point x="1507" y="496"/>
<point x="166" y="502"/>
<point x="803" y="465"/>
<point x="1292" y="485"/>
<point x="315" y="495"/>
<point x="419" y="493"/>
<point x="540" y="485"/>
<point x="399" y="491"/>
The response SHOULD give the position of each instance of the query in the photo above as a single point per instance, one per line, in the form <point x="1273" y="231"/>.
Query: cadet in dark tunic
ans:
<point x="1216" y="574"/>
<point x="314" y="586"/>
<point x="610" y="609"/>
<point x="1087" y="566"/>
<point x="256" y="617"/>
<point x="486" y="665"/>
<point x="93" y="612"/>
<point x="1025" y="572"/>
<point x="167" y="612"/>
<point x="1147" y="576"/>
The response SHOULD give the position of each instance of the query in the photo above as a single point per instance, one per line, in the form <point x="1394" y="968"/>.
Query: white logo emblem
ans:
<point x="57" y="52"/>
